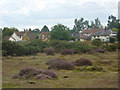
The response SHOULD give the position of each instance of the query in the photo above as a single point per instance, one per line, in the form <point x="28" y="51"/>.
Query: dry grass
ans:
<point x="76" y="79"/>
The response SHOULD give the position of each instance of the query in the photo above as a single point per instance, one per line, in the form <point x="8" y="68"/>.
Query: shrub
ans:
<point x="49" y="51"/>
<point x="100" y="50"/>
<point x="83" y="62"/>
<point x="67" y="52"/>
<point x="30" y="72"/>
<point x="60" y="64"/>
<point x="112" y="40"/>
<point x="97" y="42"/>
<point x="51" y="73"/>
<point x="111" y="47"/>
<point x="15" y="76"/>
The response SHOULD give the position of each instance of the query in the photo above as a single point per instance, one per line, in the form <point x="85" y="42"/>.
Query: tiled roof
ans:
<point x="103" y="33"/>
<point x="91" y="31"/>
<point x="20" y="33"/>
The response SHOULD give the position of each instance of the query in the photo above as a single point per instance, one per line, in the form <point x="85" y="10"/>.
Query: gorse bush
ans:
<point x="83" y="62"/>
<point x="111" y="48"/>
<point x="49" y="51"/>
<point x="38" y="46"/>
<point x="19" y="49"/>
<point x="67" y="52"/>
<point x="76" y="46"/>
<point x="97" y="42"/>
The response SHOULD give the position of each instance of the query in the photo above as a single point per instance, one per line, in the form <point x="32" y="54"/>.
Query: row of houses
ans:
<point x="27" y="36"/>
<point x="91" y="34"/>
<point x="88" y="34"/>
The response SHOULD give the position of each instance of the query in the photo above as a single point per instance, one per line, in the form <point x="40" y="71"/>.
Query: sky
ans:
<point x="33" y="14"/>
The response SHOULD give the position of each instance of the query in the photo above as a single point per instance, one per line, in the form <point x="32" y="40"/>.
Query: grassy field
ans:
<point x="77" y="79"/>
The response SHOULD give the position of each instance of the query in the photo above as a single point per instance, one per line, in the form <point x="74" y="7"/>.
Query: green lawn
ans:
<point x="77" y="79"/>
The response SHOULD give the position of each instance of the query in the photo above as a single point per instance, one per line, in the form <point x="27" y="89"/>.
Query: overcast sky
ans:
<point x="37" y="13"/>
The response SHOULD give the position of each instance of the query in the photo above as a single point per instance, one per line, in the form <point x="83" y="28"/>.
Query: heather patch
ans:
<point x="82" y="62"/>
<point x="30" y="72"/>
<point x="60" y="64"/>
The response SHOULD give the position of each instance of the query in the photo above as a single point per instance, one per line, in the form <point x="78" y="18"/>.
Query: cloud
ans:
<point x="36" y="13"/>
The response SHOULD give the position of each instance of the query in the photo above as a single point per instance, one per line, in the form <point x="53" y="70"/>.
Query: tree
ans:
<point x="45" y="29"/>
<point x="60" y="32"/>
<point x="112" y="22"/>
<point x="79" y="25"/>
<point x="8" y="31"/>
<point x="82" y="24"/>
<point x="96" y="23"/>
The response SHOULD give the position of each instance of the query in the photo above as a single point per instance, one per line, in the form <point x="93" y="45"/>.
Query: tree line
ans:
<point x="62" y="32"/>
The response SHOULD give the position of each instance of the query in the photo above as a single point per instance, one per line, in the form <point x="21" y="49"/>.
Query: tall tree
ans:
<point x="112" y="22"/>
<point x="60" y="32"/>
<point x="8" y="31"/>
<point x="80" y="25"/>
<point x="45" y="29"/>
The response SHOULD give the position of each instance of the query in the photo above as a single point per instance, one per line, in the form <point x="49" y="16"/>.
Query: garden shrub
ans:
<point x="67" y="52"/>
<point x="30" y="72"/>
<point x="112" y="40"/>
<point x="60" y="64"/>
<point x="49" y="51"/>
<point x="83" y="62"/>
<point x="97" y="42"/>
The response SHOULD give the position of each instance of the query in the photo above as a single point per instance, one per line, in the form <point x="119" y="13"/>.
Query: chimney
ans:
<point x="105" y="28"/>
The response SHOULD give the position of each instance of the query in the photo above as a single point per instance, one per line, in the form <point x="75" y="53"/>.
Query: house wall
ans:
<point x="25" y="38"/>
<point x="16" y="38"/>
<point x="102" y="38"/>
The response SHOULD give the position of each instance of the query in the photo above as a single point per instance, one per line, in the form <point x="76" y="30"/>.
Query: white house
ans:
<point x="16" y="36"/>
<point x="104" y="35"/>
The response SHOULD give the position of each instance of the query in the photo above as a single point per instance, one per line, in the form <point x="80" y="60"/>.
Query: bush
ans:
<point x="111" y="48"/>
<point x="60" y="64"/>
<point x="112" y="40"/>
<point x="49" y="51"/>
<point x="67" y="52"/>
<point x="97" y="42"/>
<point x="30" y="72"/>
<point x="100" y="50"/>
<point x="83" y="62"/>
<point x="76" y="46"/>
<point x="51" y="73"/>
<point x="18" y="49"/>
